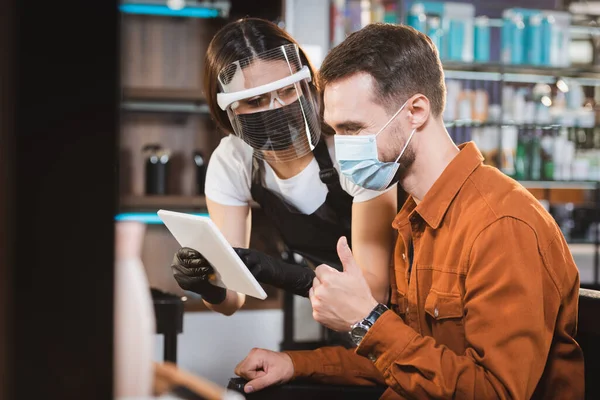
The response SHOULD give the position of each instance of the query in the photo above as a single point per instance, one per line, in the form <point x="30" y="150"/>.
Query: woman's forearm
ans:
<point x="233" y="302"/>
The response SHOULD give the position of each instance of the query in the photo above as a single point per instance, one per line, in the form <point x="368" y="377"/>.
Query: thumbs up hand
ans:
<point x="340" y="299"/>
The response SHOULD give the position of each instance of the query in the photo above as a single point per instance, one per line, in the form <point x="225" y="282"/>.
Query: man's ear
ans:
<point x="419" y="110"/>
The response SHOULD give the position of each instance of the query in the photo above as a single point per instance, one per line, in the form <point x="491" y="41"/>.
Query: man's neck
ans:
<point x="434" y="151"/>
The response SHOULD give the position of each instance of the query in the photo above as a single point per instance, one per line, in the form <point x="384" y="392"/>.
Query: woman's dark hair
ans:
<point x="238" y="40"/>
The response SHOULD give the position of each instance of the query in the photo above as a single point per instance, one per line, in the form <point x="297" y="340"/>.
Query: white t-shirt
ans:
<point x="229" y="174"/>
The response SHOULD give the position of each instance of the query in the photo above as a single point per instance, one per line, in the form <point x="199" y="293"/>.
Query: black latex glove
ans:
<point x="276" y="272"/>
<point x="192" y="272"/>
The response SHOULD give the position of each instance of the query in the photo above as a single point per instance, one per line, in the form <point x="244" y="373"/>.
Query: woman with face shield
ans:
<point x="262" y="91"/>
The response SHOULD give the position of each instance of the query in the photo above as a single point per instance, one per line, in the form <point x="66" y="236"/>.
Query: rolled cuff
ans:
<point x="386" y="340"/>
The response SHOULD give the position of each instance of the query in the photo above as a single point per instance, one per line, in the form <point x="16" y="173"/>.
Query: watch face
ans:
<point x="358" y="333"/>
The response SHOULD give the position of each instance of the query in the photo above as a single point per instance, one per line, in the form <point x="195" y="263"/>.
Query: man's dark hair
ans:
<point x="401" y="60"/>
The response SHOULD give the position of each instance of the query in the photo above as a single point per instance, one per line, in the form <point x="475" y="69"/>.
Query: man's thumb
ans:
<point x="346" y="256"/>
<point x="260" y="383"/>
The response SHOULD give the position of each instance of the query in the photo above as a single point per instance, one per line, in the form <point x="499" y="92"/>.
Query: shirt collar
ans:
<point x="438" y="199"/>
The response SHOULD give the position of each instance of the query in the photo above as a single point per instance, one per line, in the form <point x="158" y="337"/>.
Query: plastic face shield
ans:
<point x="270" y="105"/>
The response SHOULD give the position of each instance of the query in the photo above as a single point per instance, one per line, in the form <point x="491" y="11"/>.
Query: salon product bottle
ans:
<point x="521" y="159"/>
<point x="518" y="35"/>
<point x="512" y="37"/>
<point x="508" y="94"/>
<point x="480" y="103"/>
<point x="453" y="90"/>
<point x="435" y="32"/>
<point x="534" y="39"/>
<point x="547" y="146"/>
<point x="518" y="105"/>
<point x="548" y="26"/>
<point x="201" y="164"/>
<point x="529" y="112"/>
<point x="157" y="163"/>
<point x="465" y="103"/>
<point x="482" y="39"/>
<point x="494" y="107"/>
<point x="337" y="21"/>
<point x="416" y="17"/>
<point x="535" y="154"/>
<point x="390" y="15"/>
<point x="505" y="37"/>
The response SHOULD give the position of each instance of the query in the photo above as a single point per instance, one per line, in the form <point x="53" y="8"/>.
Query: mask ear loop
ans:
<point x="391" y="119"/>
<point x="405" y="145"/>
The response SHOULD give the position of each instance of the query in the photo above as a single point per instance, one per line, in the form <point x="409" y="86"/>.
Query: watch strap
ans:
<point x="374" y="315"/>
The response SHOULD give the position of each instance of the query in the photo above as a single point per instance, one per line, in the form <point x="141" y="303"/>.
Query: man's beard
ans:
<point x="398" y="139"/>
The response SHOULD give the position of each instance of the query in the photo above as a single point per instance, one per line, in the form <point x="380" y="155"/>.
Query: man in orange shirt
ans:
<point x="484" y="290"/>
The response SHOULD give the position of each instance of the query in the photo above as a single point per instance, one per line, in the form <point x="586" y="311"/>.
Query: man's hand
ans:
<point x="263" y="368"/>
<point x="341" y="299"/>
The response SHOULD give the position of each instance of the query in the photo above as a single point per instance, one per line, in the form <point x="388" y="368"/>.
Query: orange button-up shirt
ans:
<point x="488" y="309"/>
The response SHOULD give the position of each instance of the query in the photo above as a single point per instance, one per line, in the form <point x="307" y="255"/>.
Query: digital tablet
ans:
<point x="202" y="235"/>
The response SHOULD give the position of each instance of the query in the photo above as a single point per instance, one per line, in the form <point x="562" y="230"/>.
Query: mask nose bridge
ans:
<point x="275" y="96"/>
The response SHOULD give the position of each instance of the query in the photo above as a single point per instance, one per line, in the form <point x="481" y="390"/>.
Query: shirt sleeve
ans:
<point x="228" y="173"/>
<point x="336" y="366"/>
<point x="508" y="298"/>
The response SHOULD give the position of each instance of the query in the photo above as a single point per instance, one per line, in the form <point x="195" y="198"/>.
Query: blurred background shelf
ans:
<point x="576" y="185"/>
<point x="161" y="107"/>
<point x="139" y="203"/>
<point x="177" y="8"/>
<point x="497" y="124"/>
<point x="163" y="94"/>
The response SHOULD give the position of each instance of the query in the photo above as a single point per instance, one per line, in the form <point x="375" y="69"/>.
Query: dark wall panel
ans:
<point x="66" y="130"/>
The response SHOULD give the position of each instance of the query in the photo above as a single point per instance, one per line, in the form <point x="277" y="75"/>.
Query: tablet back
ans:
<point x="201" y="234"/>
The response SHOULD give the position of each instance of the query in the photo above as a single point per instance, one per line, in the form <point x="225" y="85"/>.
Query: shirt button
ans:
<point x="372" y="357"/>
<point x="407" y="310"/>
<point x="436" y="312"/>
<point x="404" y="256"/>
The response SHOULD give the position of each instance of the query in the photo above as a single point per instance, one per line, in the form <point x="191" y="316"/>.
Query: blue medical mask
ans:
<point x="359" y="161"/>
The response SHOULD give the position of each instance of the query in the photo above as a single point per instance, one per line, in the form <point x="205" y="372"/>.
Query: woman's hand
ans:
<point x="193" y="272"/>
<point x="276" y="272"/>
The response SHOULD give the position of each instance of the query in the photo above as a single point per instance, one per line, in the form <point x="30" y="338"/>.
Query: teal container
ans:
<point x="482" y="40"/>
<point x="533" y="39"/>
<point x="547" y="31"/>
<point x="435" y="32"/>
<point x="456" y="35"/>
<point x="517" y="41"/>
<point x="416" y="17"/>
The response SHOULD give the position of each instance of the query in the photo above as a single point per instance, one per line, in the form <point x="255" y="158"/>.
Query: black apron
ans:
<point x="313" y="236"/>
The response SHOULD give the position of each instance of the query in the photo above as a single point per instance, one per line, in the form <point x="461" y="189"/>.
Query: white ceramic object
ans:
<point x="134" y="316"/>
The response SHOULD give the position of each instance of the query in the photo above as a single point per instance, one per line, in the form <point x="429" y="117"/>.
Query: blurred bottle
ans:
<point x="547" y="145"/>
<point x="535" y="152"/>
<point x="157" y="165"/>
<point x="417" y="18"/>
<point x="465" y="103"/>
<point x="522" y="165"/>
<point x="435" y="32"/>
<point x="480" y="102"/>
<point x="390" y="15"/>
<point x="482" y="39"/>
<point x="201" y="164"/>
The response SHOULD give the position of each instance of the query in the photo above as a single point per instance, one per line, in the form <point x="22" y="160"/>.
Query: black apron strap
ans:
<point x="328" y="174"/>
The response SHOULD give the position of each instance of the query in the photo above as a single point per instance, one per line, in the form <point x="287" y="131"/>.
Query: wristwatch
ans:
<point x="360" y="329"/>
